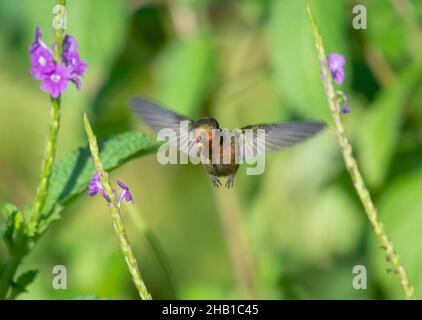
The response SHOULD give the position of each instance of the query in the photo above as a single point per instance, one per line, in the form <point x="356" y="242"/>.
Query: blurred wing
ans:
<point x="277" y="136"/>
<point x="159" y="118"/>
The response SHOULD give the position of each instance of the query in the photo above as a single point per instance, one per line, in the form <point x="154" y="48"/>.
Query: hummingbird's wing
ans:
<point x="277" y="136"/>
<point x="159" y="118"/>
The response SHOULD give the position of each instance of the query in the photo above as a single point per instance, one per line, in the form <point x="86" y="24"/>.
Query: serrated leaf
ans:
<point x="293" y="54"/>
<point x="184" y="72"/>
<point x="400" y="209"/>
<point x="71" y="175"/>
<point x="379" y="132"/>
<point x="22" y="282"/>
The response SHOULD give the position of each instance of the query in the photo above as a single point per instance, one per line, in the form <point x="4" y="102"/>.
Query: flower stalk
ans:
<point x="49" y="156"/>
<point x="353" y="168"/>
<point x="55" y="68"/>
<point x="51" y="147"/>
<point x="115" y="214"/>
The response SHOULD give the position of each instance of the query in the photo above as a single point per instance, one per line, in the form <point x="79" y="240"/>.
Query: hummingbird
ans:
<point x="204" y="137"/>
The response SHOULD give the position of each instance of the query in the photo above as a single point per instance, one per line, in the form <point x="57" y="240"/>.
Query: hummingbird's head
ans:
<point x="207" y="123"/>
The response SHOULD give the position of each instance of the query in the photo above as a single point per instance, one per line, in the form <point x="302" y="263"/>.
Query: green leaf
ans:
<point x="184" y="71"/>
<point x="71" y="175"/>
<point x="13" y="224"/>
<point x="380" y="129"/>
<point x="391" y="42"/>
<point x="293" y="54"/>
<point x="8" y="210"/>
<point x="22" y="282"/>
<point x="400" y="209"/>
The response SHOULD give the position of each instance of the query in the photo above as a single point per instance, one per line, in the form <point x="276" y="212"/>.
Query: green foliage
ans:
<point x="24" y="280"/>
<point x="390" y="41"/>
<point x="13" y="226"/>
<point x="70" y="177"/>
<point x="296" y="68"/>
<point x="380" y="130"/>
<point x="189" y="63"/>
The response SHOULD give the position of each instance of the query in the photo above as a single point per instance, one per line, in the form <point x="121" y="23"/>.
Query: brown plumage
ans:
<point x="202" y="134"/>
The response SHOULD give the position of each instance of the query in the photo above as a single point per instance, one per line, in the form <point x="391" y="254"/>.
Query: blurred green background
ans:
<point x="295" y="232"/>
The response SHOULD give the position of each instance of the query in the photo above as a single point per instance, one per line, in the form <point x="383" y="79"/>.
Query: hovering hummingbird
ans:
<point x="277" y="137"/>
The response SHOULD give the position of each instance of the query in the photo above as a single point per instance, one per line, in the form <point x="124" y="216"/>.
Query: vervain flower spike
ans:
<point x="100" y="184"/>
<point x="55" y="67"/>
<point x="353" y="168"/>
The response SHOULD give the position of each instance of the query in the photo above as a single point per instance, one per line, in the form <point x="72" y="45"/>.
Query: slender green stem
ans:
<point x="115" y="214"/>
<point x="49" y="156"/>
<point x="28" y="240"/>
<point x="8" y="275"/>
<point x="50" y="149"/>
<point x="59" y="36"/>
<point x="353" y="168"/>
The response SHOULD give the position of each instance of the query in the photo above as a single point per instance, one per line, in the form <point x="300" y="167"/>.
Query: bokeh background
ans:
<point x="295" y="232"/>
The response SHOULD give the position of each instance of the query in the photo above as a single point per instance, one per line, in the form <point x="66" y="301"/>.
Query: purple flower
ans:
<point x="41" y="57"/>
<point x="41" y="63"/>
<point x="70" y="44"/>
<point x="71" y="59"/>
<point x="95" y="187"/>
<point x="345" y="109"/>
<point x="55" y="82"/>
<point x="55" y="75"/>
<point x="336" y="64"/>
<point x="125" y="193"/>
<point x="38" y="41"/>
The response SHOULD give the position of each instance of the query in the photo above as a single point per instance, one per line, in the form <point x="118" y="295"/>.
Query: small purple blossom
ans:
<point x="345" y="109"/>
<point x="70" y="45"/>
<point x="55" y="75"/>
<point x="344" y="101"/>
<point x="41" y="57"/>
<point x="72" y="60"/>
<point x="95" y="187"/>
<point x="38" y="41"/>
<point x="336" y="64"/>
<point x="55" y="82"/>
<point x="124" y="194"/>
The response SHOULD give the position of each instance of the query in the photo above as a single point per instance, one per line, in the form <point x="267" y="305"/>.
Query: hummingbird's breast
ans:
<point x="225" y="164"/>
